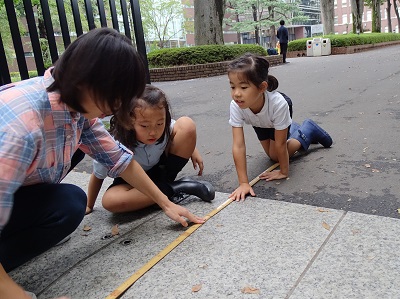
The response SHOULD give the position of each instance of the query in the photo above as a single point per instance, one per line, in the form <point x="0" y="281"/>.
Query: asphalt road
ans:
<point x="356" y="98"/>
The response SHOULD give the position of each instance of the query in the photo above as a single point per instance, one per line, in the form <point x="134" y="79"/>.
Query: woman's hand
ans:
<point x="240" y="193"/>
<point x="177" y="213"/>
<point x="197" y="161"/>
<point x="273" y="175"/>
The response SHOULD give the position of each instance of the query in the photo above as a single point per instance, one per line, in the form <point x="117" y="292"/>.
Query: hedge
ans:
<point x="200" y="54"/>
<point x="346" y="40"/>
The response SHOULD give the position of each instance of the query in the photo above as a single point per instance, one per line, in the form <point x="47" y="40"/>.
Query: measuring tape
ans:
<point x="139" y="273"/>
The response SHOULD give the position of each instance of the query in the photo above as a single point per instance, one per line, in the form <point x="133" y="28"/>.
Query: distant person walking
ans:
<point x="283" y="36"/>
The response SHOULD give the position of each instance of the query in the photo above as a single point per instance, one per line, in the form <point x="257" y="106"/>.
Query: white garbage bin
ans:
<point x="309" y="48"/>
<point x="326" y="46"/>
<point x="316" y="46"/>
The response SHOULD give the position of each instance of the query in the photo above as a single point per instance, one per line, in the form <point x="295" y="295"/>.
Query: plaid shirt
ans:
<point x="39" y="135"/>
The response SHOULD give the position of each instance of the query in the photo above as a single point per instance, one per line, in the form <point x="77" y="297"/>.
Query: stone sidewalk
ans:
<point x="259" y="248"/>
<point x="301" y="238"/>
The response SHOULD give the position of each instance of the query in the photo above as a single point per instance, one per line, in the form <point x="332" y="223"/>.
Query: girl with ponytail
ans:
<point x="255" y="101"/>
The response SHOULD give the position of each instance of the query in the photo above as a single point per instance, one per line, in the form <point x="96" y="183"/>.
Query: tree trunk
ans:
<point x="357" y="9"/>
<point x="272" y="29"/>
<point x="272" y="41"/>
<point x="256" y="29"/>
<point x="328" y="16"/>
<point x="397" y="13"/>
<point x="238" y="34"/>
<point x="208" y="17"/>
<point x="376" y="15"/>
<point x="389" y="17"/>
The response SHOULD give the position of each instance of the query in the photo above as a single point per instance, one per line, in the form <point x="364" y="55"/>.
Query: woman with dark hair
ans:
<point x="43" y="122"/>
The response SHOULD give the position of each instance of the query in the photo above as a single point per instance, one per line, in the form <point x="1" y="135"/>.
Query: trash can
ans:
<point x="326" y="46"/>
<point x="316" y="46"/>
<point x="309" y="48"/>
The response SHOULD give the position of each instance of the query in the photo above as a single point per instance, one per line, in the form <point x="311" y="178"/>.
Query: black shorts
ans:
<point x="269" y="133"/>
<point x="154" y="173"/>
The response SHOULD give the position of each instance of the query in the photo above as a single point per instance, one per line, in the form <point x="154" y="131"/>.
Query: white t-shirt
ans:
<point x="147" y="155"/>
<point x="274" y="114"/>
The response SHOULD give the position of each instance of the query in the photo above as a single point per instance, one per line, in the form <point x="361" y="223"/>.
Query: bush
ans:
<point x="15" y="76"/>
<point x="346" y="40"/>
<point x="200" y="54"/>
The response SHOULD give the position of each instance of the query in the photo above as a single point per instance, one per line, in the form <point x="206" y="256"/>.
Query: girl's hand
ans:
<point x="240" y="193"/>
<point x="197" y="161"/>
<point x="178" y="213"/>
<point x="273" y="175"/>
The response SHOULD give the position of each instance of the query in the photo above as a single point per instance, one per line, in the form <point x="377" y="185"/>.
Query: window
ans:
<point x="369" y="15"/>
<point x="344" y="3"/>
<point x="344" y="19"/>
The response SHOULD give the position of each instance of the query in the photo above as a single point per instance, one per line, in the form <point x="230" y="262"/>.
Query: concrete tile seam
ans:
<point x="119" y="291"/>
<point x="82" y="261"/>
<point x="310" y="263"/>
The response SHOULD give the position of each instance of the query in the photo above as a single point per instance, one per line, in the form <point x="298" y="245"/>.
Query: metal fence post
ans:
<point x="139" y="35"/>
<point x="48" y="32"/>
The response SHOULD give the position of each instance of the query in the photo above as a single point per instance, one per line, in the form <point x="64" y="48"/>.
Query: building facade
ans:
<point x="344" y="21"/>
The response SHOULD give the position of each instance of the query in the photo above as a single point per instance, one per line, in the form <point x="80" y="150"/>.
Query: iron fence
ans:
<point x="49" y="26"/>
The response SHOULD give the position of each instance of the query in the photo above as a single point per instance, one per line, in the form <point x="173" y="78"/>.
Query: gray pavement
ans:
<point x="329" y="231"/>
<point x="356" y="98"/>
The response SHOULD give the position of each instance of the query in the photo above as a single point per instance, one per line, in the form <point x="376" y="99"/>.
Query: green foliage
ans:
<point x="346" y="40"/>
<point x="158" y="18"/>
<point x="44" y="45"/>
<point x="200" y="54"/>
<point x="262" y="14"/>
<point x="370" y="4"/>
<point x="15" y="76"/>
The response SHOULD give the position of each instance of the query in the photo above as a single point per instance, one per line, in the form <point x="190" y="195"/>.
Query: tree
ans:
<point x="376" y="15"/>
<point x="389" y="15"/>
<point x="208" y="19"/>
<point x="375" y="6"/>
<point x="357" y="9"/>
<point x="396" y="10"/>
<point x="158" y="19"/>
<point x="234" y="16"/>
<point x="253" y="15"/>
<point x="328" y="15"/>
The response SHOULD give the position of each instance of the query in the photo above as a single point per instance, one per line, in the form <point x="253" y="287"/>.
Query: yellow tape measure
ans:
<point x="139" y="273"/>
